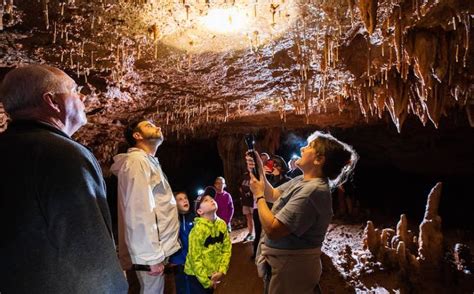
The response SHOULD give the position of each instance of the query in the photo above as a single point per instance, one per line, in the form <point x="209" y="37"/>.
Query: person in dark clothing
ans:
<point x="54" y="218"/>
<point x="246" y="199"/>
<point x="346" y="199"/>
<point x="178" y="260"/>
<point x="294" y="171"/>
<point x="280" y="168"/>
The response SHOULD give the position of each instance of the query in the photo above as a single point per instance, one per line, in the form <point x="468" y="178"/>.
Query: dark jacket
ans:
<point x="276" y="181"/>
<point x="186" y="223"/>
<point x="54" y="220"/>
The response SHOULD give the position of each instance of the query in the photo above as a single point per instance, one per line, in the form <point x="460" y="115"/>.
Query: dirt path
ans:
<point x="242" y="275"/>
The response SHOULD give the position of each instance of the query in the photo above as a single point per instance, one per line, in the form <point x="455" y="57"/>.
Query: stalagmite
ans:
<point x="432" y="205"/>
<point x="463" y="258"/>
<point x="431" y="242"/>
<point x="402" y="231"/>
<point x="402" y="258"/>
<point x="431" y="238"/>
<point x="372" y="240"/>
<point x="401" y="251"/>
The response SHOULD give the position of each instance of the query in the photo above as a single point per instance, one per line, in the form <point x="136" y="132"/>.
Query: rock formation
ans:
<point x="400" y="249"/>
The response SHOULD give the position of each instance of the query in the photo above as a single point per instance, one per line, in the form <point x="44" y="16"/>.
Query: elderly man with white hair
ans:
<point x="54" y="218"/>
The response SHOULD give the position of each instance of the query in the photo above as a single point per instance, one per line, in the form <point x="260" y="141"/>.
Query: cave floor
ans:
<point x="346" y="268"/>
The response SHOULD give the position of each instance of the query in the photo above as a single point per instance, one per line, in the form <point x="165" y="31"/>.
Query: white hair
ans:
<point x="23" y="87"/>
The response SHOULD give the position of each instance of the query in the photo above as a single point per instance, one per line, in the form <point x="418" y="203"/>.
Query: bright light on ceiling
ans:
<point x="225" y="20"/>
<point x="220" y="25"/>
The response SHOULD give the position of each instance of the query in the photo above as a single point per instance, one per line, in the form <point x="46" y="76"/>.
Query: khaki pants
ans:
<point x="293" y="271"/>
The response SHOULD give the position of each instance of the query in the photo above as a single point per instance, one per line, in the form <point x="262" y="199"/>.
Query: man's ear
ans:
<point x="199" y="211"/>
<point x="137" y="136"/>
<point x="49" y="99"/>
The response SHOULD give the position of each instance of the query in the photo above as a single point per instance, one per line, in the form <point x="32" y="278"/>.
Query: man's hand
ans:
<point x="216" y="279"/>
<point x="156" y="269"/>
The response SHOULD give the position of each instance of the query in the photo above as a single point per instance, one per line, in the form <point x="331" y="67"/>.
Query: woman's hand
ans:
<point x="256" y="186"/>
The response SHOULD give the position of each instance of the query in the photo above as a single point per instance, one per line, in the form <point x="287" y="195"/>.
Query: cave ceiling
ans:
<point x="322" y="62"/>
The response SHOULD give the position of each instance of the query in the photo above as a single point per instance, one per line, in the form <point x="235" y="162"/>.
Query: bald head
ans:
<point x="43" y="93"/>
<point x="23" y="87"/>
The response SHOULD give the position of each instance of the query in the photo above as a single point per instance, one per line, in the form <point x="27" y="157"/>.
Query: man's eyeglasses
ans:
<point x="75" y="90"/>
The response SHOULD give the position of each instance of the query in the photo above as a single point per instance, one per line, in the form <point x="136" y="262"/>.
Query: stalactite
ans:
<point x="314" y="90"/>
<point x="71" y="63"/>
<point x="54" y="33"/>
<point x="92" y="60"/>
<point x="46" y="14"/>
<point x="350" y="5"/>
<point x="442" y="59"/>
<point x="467" y="28"/>
<point x="369" y="62"/>
<point x="1" y="16"/>
<point x="368" y="11"/>
<point x="398" y="43"/>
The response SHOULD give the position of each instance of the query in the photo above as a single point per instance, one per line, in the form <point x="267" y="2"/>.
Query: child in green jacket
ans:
<point x="209" y="246"/>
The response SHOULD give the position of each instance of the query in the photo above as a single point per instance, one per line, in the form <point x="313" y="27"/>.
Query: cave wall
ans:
<point x="395" y="172"/>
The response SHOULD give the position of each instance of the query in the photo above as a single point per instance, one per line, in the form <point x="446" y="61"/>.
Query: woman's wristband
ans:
<point x="258" y="198"/>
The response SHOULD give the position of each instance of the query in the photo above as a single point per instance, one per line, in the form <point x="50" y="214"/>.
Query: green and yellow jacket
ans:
<point x="209" y="250"/>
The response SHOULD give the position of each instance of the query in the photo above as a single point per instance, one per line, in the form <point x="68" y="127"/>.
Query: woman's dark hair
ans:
<point x="131" y="128"/>
<point x="340" y="158"/>
<point x="278" y="160"/>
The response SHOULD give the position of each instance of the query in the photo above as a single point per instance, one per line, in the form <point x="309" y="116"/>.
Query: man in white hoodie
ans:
<point x="147" y="212"/>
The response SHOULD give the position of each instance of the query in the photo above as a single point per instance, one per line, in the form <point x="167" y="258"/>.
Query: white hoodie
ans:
<point x="148" y="224"/>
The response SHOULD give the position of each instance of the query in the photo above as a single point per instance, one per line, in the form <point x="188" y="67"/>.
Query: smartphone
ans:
<point x="250" y="141"/>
